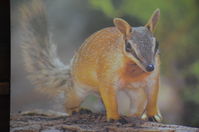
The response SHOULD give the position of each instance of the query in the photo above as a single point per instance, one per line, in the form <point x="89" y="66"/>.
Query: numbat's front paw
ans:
<point x="155" y="118"/>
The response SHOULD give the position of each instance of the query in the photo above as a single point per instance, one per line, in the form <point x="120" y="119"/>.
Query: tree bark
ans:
<point x="85" y="121"/>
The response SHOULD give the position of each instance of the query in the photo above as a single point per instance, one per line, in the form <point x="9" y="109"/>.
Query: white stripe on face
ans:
<point x="153" y="42"/>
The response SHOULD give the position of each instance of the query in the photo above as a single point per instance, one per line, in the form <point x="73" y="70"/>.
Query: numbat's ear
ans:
<point x="122" y="26"/>
<point x="151" y="24"/>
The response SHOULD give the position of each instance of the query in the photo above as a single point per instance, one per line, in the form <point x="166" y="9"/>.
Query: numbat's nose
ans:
<point x="150" y="68"/>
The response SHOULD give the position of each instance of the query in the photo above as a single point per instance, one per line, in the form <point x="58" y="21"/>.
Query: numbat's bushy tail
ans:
<point x="45" y="70"/>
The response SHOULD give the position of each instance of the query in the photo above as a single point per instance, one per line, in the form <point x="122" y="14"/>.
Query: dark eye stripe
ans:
<point x="128" y="47"/>
<point x="156" y="46"/>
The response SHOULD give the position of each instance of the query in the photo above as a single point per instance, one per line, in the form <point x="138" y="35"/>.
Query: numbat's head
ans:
<point x="140" y="44"/>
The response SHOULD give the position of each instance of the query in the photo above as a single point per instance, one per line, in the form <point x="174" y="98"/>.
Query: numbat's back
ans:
<point x="115" y="58"/>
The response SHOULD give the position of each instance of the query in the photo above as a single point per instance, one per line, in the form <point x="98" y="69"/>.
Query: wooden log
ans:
<point x="86" y="122"/>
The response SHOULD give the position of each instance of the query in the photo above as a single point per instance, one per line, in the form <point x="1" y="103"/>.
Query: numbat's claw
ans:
<point x="156" y="118"/>
<point x="144" y="116"/>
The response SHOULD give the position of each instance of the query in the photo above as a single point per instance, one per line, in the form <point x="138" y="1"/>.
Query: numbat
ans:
<point x="115" y="58"/>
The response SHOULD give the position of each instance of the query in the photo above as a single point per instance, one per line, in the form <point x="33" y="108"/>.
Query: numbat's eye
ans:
<point x="128" y="47"/>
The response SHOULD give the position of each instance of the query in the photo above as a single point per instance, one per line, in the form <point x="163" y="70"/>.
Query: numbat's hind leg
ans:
<point x="73" y="101"/>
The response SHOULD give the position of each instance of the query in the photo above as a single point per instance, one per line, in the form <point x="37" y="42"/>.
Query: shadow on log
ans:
<point x="85" y="121"/>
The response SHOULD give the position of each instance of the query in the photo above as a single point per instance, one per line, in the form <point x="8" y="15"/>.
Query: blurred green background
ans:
<point x="71" y="22"/>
